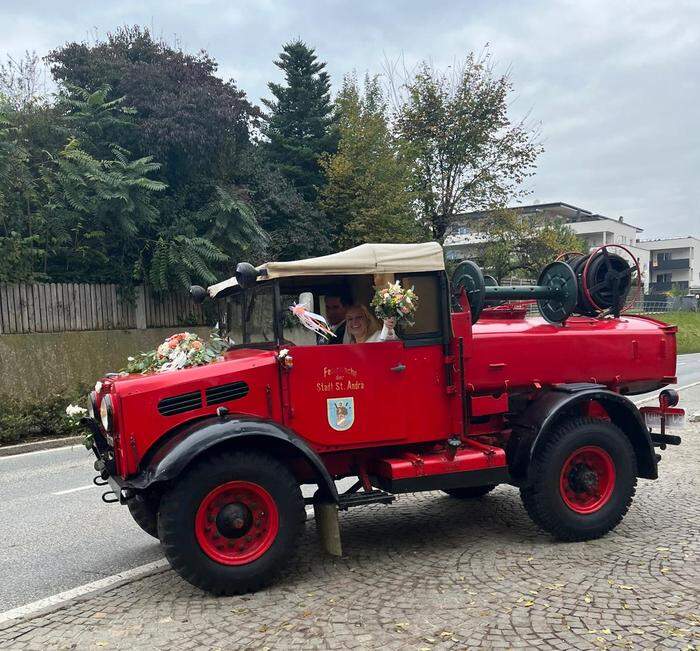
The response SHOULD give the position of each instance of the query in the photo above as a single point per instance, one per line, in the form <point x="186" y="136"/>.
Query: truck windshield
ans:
<point x="248" y="317"/>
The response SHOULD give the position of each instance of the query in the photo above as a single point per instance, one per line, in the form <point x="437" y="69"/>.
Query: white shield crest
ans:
<point x="341" y="413"/>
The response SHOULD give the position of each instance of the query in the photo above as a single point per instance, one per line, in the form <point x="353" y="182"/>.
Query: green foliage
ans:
<point x="368" y="191"/>
<point x="187" y="117"/>
<point x="688" y="337"/>
<point x="516" y="245"/>
<point x="466" y="153"/>
<point x="27" y="419"/>
<point x="300" y="123"/>
<point x="146" y="166"/>
<point x="296" y="227"/>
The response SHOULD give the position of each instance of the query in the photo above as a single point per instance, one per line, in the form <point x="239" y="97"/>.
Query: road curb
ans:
<point x="34" y="446"/>
<point x="23" y="614"/>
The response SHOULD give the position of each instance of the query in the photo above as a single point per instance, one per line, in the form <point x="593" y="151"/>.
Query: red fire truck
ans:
<point x="211" y="459"/>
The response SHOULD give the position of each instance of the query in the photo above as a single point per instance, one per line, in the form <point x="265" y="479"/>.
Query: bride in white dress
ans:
<point x="364" y="328"/>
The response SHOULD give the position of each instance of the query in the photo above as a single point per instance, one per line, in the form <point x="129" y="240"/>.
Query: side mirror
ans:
<point x="198" y="293"/>
<point x="307" y="300"/>
<point x="246" y="275"/>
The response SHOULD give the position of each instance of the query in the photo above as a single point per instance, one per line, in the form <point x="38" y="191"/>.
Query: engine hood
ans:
<point x="234" y="362"/>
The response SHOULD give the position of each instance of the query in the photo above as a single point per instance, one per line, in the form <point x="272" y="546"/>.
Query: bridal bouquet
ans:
<point x="395" y="302"/>
<point x="177" y="351"/>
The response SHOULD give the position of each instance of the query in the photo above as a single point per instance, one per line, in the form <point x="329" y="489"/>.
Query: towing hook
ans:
<point x="110" y="500"/>
<point x="99" y="481"/>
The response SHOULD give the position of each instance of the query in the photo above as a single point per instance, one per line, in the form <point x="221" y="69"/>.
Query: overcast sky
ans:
<point x="614" y="85"/>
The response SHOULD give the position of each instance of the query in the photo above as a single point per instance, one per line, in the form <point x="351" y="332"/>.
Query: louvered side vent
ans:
<point x="226" y="392"/>
<point x="180" y="404"/>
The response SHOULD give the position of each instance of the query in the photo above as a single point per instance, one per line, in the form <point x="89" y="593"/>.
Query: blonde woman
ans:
<point x="363" y="327"/>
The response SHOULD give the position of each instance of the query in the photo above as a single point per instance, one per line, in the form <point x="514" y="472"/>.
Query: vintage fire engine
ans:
<point x="211" y="459"/>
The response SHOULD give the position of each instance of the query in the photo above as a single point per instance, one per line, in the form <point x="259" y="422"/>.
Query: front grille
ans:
<point x="226" y="392"/>
<point x="180" y="404"/>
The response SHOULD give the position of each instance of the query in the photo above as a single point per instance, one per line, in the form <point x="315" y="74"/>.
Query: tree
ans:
<point x="296" y="227"/>
<point x="101" y="210"/>
<point x="517" y="245"/>
<point x="368" y="191"/>
<point x="192" y="121"/>
<point x="467" y="154"/>
<point x="300" y="123"/>
<point x="155" y="100"/>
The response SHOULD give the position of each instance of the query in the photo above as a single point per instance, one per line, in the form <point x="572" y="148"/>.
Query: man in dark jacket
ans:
<point x="336" y="306"/>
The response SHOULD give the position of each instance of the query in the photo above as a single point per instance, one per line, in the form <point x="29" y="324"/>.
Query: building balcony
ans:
<point x="680" y="263"/>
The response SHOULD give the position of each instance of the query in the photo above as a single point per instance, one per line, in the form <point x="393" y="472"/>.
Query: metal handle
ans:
<point x="398" y="368"/>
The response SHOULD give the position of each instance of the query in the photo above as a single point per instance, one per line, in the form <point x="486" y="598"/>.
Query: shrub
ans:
<point x="23" y="419"/>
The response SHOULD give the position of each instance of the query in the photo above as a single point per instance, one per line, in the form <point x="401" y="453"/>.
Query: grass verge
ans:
<point x="688" y="323"/>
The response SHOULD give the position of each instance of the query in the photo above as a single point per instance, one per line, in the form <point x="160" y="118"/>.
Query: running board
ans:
<point x="362" y="498"/>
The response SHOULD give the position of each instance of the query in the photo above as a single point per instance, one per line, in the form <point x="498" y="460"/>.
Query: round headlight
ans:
<point x="106" y="413"/>
<point x="92" y="405"/>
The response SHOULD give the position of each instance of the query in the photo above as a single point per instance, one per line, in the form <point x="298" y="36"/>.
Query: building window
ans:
<point x="663" y="278"/>
<point x="666" y="255"/>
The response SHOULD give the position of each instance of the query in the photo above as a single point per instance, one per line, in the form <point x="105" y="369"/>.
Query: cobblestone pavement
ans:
<point x="431" y="572"/>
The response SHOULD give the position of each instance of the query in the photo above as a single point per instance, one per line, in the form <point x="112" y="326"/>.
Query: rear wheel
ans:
<point x="582" y="480"/>
<point x="144" y="510"/>
<point x="470" y="492"/>
<point x="231" y="522"/>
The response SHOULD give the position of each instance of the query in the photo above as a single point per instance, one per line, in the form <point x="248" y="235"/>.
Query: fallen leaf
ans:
<point x="587" y="599"/>
<point x="626" y="587"/>
<point x="528" y="603"/>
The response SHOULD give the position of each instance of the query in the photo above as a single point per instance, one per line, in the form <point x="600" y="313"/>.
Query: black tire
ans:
<point x="469" y="492"/>
<point x="543" y="498"/>
<point x="178" y="509"/>
<point x="145" y="513"/>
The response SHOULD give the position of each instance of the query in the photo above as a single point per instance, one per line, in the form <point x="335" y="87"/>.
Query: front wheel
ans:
<point x="582" y="480"/>
<point x="231" y="522"/>
<point x="144" y="511"/>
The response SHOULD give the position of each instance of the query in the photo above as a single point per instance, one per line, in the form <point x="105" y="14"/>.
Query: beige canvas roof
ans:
<point x="363" y="259"/>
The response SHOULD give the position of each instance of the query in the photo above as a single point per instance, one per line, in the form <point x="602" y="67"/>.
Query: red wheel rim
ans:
<point x="587" y="479"/>
<point x="236" y="523"/>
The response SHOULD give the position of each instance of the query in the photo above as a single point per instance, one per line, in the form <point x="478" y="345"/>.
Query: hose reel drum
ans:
<point x="575" y="283"/>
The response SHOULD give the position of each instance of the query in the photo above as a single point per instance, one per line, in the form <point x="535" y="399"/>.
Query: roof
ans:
<point x="561" y="205"/>
<point x="363" y="259"/>
<point x="681" y="242"/>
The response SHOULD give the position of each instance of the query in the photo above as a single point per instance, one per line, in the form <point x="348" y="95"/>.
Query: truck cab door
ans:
<point x="347" y="395"/>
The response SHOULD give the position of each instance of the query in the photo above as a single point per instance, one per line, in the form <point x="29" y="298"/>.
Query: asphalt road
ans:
<point x="57" y="534"/>
<point x="687" y="372"/>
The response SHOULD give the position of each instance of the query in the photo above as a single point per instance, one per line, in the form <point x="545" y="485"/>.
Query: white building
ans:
<point x="463" y="240"/>
<point x="675" y="264"/>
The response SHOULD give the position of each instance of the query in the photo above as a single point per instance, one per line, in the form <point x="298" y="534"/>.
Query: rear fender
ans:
<point x="542" y="417"/>
<point x="201" y="436"/>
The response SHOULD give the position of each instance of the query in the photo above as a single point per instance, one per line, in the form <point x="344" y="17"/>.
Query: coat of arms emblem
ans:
<point x="341" y="413"/>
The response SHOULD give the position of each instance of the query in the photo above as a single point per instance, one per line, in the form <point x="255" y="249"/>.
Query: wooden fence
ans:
<point x="61" y="307"/>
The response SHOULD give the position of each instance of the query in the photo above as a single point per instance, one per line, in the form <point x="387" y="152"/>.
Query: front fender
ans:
<point x="195" y="439"/>
<point x="545" y="412"/>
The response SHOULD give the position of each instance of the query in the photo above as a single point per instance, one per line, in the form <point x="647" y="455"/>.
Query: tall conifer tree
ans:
<point x="300" y="122"/>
